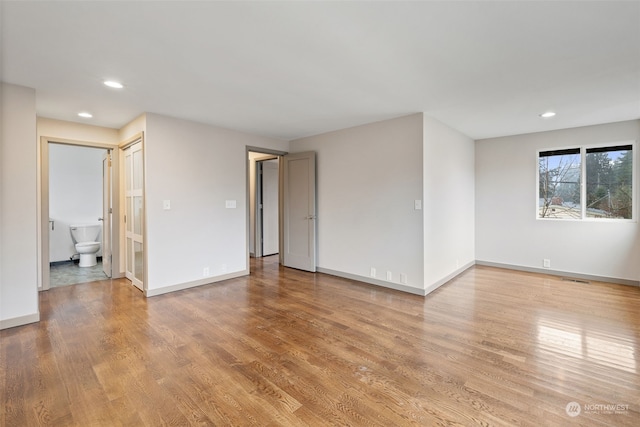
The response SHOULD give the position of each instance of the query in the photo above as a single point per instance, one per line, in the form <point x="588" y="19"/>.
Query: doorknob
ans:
<point x="100" y="219"/>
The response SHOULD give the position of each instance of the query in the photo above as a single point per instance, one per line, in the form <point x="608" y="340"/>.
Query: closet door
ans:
<point x="134" y="214"/>
<point x="300" y="211"/>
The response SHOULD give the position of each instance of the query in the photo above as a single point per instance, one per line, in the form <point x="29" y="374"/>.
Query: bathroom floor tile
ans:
<point x="71" y="274"/>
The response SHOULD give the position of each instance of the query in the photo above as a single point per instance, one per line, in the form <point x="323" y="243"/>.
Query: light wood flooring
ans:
<point x="287" y="348"/>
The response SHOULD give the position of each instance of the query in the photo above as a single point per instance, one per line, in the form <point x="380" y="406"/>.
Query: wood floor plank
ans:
<point x="283" y="347"/>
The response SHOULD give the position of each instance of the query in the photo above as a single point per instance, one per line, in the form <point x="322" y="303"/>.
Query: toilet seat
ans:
<point x="87" y="245"/>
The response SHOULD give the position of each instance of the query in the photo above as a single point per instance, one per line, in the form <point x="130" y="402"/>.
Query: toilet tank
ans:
<point x="85" y="232"/>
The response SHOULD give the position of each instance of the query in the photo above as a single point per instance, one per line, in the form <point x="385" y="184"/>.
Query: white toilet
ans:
<point x="85" y="237"/>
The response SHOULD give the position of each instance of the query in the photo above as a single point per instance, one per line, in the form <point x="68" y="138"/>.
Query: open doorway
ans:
<point x="266" y="207"/>
<point x="296" y="202"/>
<point x="264" y="203"/>
<point x="78" y="194"/>
<point x="264" y="223"/>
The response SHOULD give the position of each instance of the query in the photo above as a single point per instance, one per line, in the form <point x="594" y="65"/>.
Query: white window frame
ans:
<point x="583" y="182"/>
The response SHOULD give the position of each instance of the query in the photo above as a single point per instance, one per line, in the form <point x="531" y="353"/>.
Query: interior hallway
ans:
<point x="286" y="347"/>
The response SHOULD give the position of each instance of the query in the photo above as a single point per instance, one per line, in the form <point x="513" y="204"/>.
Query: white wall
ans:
<point x="367" y="180"/>
<point x="133" y="128"/>
<point x="76" y="131"/>
<point x="449" y="199"/>
<point x="75" y="194"/>
<point x="18" y="222"/>
<point x="507" y="231"/>
<point x="197" y="167"/>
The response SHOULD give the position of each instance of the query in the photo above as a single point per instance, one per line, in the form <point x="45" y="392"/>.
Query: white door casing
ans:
<point x="299" y="211"/>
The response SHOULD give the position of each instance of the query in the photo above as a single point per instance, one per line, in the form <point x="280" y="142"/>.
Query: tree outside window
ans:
<point x="609" y="176"/>
<point x="559" y="189"/>
<point x="608" y="189"/>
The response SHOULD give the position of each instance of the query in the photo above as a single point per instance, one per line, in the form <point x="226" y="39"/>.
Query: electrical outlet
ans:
<point x="373" y="272"/>
<point x="389" y="276"/>
<point x="205" y="272"/>
<point x="546" y="263"/>
<point x="403" y="278"/>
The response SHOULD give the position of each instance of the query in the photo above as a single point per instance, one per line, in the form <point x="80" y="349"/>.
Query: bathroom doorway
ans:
<point x="74" y="193"/>
<point x="75" y="203"/>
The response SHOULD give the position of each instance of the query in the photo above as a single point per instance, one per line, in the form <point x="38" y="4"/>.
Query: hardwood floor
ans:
<point x="288" y="348"/>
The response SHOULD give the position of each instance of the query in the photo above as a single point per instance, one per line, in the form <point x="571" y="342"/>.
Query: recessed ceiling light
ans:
<point x="547" y="114"/>
<point x="85" y="115"/>
<point x="113" y="84"/>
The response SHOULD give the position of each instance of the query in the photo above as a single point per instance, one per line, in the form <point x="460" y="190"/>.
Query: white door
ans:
<point x="299" y="211"/>
<point x="269" y="207"/>
<point x="134" y="214"/>
<point x="106" y="213"/>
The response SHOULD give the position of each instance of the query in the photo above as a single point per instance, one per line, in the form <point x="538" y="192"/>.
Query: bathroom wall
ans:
<point x="75" y="194"/>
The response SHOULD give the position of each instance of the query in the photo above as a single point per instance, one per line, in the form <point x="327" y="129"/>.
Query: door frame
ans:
<point x="107" y="213"/>
<point x="258" y="228"/>
<point x="268" y="153"/>
<point x="44" y="279"/>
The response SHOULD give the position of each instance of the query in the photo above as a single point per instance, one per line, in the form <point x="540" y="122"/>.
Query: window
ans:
<point x="607" y="172"/>
<point x="559" y="179"/>
<point x="609" y="179"/>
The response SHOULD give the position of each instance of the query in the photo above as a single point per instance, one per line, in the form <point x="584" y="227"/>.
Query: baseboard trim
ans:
<point x="19" y="321"/>
<point x="449" y="277"/>
<point x="206" y="281"/>
<point x="70" y="261"/>
<point x="372" y="281"/>
<point x="561" y="273"/>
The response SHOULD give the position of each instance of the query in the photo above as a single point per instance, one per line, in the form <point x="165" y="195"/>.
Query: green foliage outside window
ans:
<point x="608" y="189"/>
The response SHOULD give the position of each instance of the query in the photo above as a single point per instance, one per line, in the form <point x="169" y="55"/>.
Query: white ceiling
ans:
<point x="293" y="69"/>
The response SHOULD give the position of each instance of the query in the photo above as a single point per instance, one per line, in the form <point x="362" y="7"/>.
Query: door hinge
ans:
<point x="125" y="218"/>
<point x="110" y="210"/>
